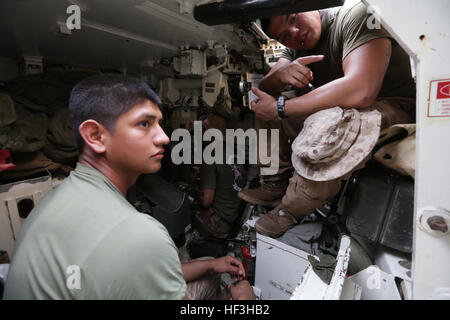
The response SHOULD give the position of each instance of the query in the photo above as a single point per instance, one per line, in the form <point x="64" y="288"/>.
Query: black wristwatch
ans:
<point x="280" y="107"/>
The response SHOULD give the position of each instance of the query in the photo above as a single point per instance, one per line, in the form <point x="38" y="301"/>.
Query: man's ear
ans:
<point x="93" y="134"/>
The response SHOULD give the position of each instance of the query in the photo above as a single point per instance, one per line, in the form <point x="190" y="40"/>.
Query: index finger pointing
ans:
<point x="309" y="59"/>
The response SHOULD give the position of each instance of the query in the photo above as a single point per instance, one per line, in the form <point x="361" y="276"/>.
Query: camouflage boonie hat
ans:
<point x="334" y="141"/>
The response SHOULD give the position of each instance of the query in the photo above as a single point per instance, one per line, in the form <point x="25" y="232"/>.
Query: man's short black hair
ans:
<point x="104" y="98"/>
<point x="265" y="26"/>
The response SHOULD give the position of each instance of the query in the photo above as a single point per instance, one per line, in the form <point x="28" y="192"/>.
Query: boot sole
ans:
<point x="251" y="200"/>
<point x="267" y="232"/>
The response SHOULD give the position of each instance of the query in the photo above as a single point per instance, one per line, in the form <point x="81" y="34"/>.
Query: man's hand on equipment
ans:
<point x="241" y="291"/>
<point x="295" y="73"/>
<point x="228" y="264"/>
<point x="265" y="108"/>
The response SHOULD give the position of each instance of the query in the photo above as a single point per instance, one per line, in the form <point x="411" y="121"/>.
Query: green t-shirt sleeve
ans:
<point x="208" y="176"/>
<point x="355" y="29"/>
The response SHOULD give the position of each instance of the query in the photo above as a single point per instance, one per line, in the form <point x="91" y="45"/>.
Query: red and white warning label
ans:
<point x="439" y="98"/>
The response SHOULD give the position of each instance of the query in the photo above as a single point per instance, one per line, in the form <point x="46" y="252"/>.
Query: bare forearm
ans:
<point x="364" y="70"/>
<point x="196" y="269"/>
<point x="203" y="203"/>
<point x="206" y="200"/>
<point x="346" y="93"/>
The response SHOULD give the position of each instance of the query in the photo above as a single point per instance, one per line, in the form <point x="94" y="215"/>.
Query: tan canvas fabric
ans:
<point x="334" y="141"/>
<point x="303" y="195"/>
<point x="393" y="111"/>
<point x="28" y="164"/>
<point x="399" y="155"/>
<point x="328" y="141"/>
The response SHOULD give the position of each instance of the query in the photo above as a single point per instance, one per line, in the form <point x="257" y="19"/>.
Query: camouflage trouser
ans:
<point x="206" y="288"/>
<point x="303" y="195"/>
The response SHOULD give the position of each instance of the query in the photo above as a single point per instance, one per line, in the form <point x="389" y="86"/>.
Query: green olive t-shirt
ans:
<point x="343" y="30"/>
<point x="85" y="241"/>
<point x="220" y="177"/>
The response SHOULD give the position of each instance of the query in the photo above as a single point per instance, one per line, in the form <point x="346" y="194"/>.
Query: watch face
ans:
<point x="280" y="107"/>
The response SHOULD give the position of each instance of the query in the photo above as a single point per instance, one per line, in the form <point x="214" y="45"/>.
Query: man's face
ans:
<point x="136" y="146"/>
<point x="299" y="31"/>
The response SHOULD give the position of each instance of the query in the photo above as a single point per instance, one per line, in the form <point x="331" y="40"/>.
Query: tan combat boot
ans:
<point x="275" y="223"/>
<point x="269" y="194"/>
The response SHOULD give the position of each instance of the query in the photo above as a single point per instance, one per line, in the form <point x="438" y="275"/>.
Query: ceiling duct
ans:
<point x="232" y="11"/>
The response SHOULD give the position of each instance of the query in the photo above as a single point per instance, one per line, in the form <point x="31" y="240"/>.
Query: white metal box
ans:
<point x="16" y="201"/>
<point x="279" y="267"/>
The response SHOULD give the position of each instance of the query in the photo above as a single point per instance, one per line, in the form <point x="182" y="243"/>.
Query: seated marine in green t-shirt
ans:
<point x="219" y="203"/>
<point x="84" y="240"/>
